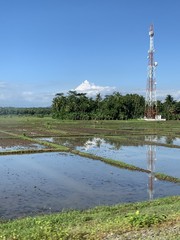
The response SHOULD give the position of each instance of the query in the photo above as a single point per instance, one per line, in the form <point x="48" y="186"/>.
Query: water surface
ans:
<point x="164" y="139"/>
<point x="33" y="146"/>
<point x="166" y="160"/>
<point x="50" y="182"/>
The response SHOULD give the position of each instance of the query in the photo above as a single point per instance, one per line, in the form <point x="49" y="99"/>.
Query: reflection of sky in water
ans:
<point x="177" y="141"/>
<point x="168" y="159"/>
<point x="47" y="139"/>
<point x="50" y="182"/>
<point x="20" y="147"/>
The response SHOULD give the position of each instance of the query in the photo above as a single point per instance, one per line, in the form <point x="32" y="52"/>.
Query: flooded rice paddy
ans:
<point x="50" y="182"/>
<point x="165" y="159"/>
<point x="16" y="144"/>
<point x="38" y="183"/>
<point x="34" y="146"/>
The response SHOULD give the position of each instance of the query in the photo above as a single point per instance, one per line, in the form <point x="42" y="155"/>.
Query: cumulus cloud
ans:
<point x="91" y="89"/>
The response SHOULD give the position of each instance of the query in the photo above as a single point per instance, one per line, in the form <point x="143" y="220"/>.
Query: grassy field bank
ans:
<point x="158" y="218"/>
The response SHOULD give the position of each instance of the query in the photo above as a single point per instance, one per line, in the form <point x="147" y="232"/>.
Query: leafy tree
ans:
<point x="169" y="107"/>
<point x="79" y="106"/>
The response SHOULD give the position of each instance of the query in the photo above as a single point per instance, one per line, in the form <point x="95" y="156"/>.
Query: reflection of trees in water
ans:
<point x="81" y="142"/>
<point x="170" y="140"/>
<point x="73" y="142"/>
<point x="167" y="139"/>
<point x="117" y="144"/>
<point x="160" y="139"/>
<point x="98" y="142"/>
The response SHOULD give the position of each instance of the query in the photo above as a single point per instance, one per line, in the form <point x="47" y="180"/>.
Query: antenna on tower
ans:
<point x="151" y="102"/>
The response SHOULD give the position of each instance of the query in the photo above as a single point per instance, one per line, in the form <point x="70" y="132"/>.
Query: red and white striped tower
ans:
<point x="151" y="102"/>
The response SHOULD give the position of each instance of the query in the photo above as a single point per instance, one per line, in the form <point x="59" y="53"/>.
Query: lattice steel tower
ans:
<point x="151" y="102"/>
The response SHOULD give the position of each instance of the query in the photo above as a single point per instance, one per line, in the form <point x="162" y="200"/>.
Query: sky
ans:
<point x="53" y="46"/>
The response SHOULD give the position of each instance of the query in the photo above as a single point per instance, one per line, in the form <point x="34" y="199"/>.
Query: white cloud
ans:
<point x="161" y="94"/>
<point x="3" y="96"/>
<point x="16" y="96"/>
<point x="176" y="95"/>
<point x="27" y="95"/>
<point x="2" y="84"/>
<point x="32" y="96"/>
<point x="43" y="99"/>
<point x="91" y="89"/>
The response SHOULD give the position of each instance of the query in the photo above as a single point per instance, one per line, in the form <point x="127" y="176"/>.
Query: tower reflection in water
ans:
<point x="151" y="158"/>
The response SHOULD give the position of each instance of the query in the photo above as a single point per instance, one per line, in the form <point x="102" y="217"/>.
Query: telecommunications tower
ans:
<point x="151" y="102"/>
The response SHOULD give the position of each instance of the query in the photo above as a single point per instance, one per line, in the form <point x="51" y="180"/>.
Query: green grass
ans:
<point x="170" y="128"/>
<point x="94" y="223"/>
<point x="165" y="177"/>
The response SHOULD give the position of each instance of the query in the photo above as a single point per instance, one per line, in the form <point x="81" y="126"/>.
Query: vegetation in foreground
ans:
<point x="101" y="222"/>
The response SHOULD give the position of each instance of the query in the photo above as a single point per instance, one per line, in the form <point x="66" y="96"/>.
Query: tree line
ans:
<point x="39" y="111"/>
<point x="78" y="106"/>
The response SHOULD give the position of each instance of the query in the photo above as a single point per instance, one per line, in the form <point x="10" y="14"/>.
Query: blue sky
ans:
<point x="50" y="46"/>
